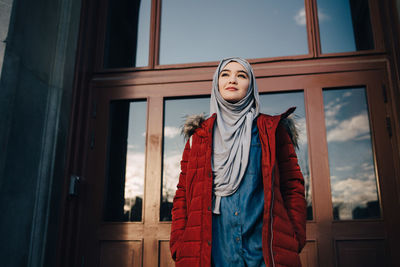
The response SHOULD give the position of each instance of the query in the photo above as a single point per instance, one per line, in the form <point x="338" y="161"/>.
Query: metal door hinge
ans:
<point x="73" y="185"/>
<point x="389" y="126"/>
<point x="384" y="93"/>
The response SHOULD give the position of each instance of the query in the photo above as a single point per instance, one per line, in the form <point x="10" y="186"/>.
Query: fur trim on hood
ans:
<point x="194" y="121"/>
<point x="290" y="125"/>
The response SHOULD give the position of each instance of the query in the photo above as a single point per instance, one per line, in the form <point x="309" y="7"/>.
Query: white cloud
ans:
<point x="347" y="94"/>
<point x="367" y="166"/>
<point x="331" y="110"/>
<point x="132" y="146"/>
<point x="355" y="127"/>
<point x="352" y="193"/>
<point x="322" y="16"/>
<point x="354" y="190"/>
<point x="171" y="171"/>
<point x="344" y="168"/>
<point x="300" y="17"/>
<point x="366" y="136"/>
<point x="134" y="174"/>
<point x="301" y="20"/>
<point x="171" y="131"/>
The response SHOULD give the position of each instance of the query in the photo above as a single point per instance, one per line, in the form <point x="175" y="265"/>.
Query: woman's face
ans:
<point x="233" y="82"/>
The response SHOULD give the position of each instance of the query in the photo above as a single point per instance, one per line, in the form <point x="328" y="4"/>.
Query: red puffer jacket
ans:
<point x="284" y="221"/>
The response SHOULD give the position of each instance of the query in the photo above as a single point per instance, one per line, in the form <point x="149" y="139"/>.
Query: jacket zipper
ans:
<point x="272" y="218"/>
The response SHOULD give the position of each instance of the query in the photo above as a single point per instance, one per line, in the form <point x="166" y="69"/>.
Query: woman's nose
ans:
<point x="232" y="79"/>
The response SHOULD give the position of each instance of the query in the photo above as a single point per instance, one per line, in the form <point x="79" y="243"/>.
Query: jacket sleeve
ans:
<point x="291" y="184"/>
<point x="179" y="212"/>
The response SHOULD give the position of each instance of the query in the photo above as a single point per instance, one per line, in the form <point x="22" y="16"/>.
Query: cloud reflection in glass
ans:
<point x="351" y="162"/>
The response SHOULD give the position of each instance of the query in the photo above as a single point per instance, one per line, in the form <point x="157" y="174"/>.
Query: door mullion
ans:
<point x="153" y="160"/>
<point x="319" y="165"/>
<point x="152" y="179"/>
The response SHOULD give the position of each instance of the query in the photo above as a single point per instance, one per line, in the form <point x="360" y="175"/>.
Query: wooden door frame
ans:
<point x="321" y="229"/>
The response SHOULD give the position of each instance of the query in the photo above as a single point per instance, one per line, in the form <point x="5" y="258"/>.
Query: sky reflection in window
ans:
<point x="345" y="25"/>
<point x="126" y="161"/>
<point x="208" y="30"/>
<point x="175" y="112"/>
<point x="351" y="161"/>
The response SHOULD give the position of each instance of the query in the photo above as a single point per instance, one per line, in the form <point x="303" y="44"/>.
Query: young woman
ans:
<point x="240" y="197"/>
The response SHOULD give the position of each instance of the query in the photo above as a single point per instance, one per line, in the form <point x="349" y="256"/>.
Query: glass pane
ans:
<point x="277" y="103"/>
<point x="344" y="25"/>
<point x="126" y="161"/>
<point x="175" y="112"/>
<point x="351" y="161"/>
<point x="208" y="30"/>
<point x="128" y="34"/>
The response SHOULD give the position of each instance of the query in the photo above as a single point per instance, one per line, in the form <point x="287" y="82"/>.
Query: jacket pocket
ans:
<point x="292" y="230"/>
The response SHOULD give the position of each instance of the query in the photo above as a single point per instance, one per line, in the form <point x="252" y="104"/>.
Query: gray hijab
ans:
<point x="232" y="134"/>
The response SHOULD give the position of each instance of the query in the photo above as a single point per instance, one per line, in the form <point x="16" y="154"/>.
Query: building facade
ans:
<point x="93" y="94"/>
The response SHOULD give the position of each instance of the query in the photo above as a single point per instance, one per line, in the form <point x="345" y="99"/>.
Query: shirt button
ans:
<point x="209" y="242"/>
<point x="209" y="208"/>
<point x="209" y="174"/>
<point x="236" y="213"/>
<point x="237" y="239"/>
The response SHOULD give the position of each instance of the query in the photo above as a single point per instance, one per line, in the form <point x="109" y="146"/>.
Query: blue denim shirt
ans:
<point x="237" y="231"/>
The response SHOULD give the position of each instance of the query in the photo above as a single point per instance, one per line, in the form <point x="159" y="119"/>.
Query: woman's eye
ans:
<point x="224" y="74"/>
<point x="242" y="76"/>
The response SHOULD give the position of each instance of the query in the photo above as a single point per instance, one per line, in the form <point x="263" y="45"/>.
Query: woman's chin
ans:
<point x="231" y="100"/>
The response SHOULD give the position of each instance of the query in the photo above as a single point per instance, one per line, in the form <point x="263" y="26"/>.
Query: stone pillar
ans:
<point x="35" y="104"/>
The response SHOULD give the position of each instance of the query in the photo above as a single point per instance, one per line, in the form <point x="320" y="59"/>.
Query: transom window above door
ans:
<point x="153" y="34"/>
<point x="198" y="31"/>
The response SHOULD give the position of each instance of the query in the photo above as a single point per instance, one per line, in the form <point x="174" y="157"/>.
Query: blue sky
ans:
<point x="336" y="26"/>
<point x="208" y="30"/>
<point x="135" y="157"/>
<point x="143" y="35"/>
<point x="351" y="162"/>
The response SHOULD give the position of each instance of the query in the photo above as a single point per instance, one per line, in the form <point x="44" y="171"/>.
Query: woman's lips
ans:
<point x="231" y="89"/>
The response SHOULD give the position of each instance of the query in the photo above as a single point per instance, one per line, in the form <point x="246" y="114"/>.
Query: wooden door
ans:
<point x="114" y="240"/>
<point x="358" y="239"/>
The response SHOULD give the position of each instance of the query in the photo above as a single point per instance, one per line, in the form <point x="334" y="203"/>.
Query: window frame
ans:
<point x="313" y="37"/>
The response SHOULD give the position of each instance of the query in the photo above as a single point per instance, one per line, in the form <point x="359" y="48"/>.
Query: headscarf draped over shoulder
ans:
<point x="232" y="134"/>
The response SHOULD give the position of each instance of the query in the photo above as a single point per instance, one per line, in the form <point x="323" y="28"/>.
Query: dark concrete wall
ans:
<point x="35" y="104"/>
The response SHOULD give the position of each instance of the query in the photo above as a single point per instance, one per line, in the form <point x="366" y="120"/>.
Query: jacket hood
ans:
<point x="194" y="122"/>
